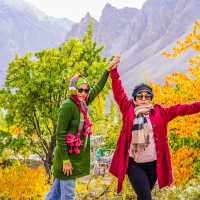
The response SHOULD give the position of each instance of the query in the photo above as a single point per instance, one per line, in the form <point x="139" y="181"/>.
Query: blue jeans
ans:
<point x="62" y="190"/>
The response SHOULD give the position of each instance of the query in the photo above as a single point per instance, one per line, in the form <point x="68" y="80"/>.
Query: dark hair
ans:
<point x="140" y="87"/>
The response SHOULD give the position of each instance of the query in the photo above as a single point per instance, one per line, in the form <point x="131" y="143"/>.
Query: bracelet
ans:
<point x="66" y="161"/>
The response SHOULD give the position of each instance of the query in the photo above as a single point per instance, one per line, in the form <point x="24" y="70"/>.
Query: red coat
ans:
<point x="160" y="116"/>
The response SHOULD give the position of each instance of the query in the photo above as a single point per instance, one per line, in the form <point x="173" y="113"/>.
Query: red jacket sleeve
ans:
<point x="181" y="110"/>
<point x="118" y="90"/>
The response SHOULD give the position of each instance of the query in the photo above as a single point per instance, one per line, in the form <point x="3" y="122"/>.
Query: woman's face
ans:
<point x="82" y="92"/>
<point x="143" y="98"/>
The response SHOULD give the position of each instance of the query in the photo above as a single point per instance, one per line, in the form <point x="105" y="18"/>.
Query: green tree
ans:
<point x="37" y="84"/>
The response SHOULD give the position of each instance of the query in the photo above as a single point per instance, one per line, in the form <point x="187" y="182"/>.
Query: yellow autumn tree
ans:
<point x="19" y="182"/>
<point x="183" y="88"/>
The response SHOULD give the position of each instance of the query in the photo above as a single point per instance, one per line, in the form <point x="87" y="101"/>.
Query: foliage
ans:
<point x="177" y="142"/>
<point x="20" y="182"/>
<point x="184" y="136"/>
<point x="197" y="168"/>
<point x="111" y="125"/>
<point x="191" y="41"/>
<point x="183" y="164"/>
<point x="15" y="184"/>
<point x="101" y="188"/>
<point x="36" y="86"/>
<point x="189" y="191"/>
<point x="183" y="88"/>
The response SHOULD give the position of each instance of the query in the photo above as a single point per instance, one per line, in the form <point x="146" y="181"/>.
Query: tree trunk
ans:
<point x="49" y="157"/>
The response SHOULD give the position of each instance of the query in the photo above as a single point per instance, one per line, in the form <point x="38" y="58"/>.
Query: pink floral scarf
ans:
<point x="74" y="141"/>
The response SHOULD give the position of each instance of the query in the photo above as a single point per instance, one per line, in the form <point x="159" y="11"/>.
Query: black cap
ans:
<point x="142" y="87"/>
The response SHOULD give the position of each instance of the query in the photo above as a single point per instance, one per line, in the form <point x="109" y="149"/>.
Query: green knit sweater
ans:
<point x="68" y="121"/>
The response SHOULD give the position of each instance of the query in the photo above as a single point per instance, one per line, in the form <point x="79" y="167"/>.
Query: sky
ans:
<point x="77" y="9"/>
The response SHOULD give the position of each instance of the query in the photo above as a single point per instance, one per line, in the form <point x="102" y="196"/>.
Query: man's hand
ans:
<point x="115" y="62"/>
<point x="67" y="168"/>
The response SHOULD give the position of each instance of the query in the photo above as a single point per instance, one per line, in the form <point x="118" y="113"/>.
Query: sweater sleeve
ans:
<point x="98" y="87"/>
<point x="118" y="90"/>
<point x="181" y="110"/>
<point x="63" y="124"/>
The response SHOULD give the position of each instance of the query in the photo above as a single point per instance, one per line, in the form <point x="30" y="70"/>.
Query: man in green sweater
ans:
<point x="72" y="152"/>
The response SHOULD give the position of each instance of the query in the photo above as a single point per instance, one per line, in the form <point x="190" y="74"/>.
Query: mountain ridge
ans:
<point x="24" y="28"/>
<point x="144" y="34"/>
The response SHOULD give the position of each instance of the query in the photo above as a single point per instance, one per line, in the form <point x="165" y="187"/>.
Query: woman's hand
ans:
<point x="67" y="168"/>
<point x="114" y="63"/>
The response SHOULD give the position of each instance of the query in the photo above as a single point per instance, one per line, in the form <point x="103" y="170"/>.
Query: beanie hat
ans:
<point x="142" y="87"/>
<point x="81" y="81"/>
<point x="76" y="82"/>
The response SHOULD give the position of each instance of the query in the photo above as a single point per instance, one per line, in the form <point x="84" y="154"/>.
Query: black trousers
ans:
<point x="143" y="177"/>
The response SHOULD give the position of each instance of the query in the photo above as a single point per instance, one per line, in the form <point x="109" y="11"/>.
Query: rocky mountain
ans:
<point x="141" y="35"/>
<point x="79" y="29"/>
<point x="24" y="28"/>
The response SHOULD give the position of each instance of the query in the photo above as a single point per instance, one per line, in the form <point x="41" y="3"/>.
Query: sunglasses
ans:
<point x="81" y="90"/>
<point x="145" y="97"/>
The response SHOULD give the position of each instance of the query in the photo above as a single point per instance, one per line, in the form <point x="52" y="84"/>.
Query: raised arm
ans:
<point x="118" y="90"/>
<point x="98" y="87"/>
<point x="181" y="110"/>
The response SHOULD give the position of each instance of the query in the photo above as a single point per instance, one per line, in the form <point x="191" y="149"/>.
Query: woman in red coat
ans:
<point x="142" y="151"/>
